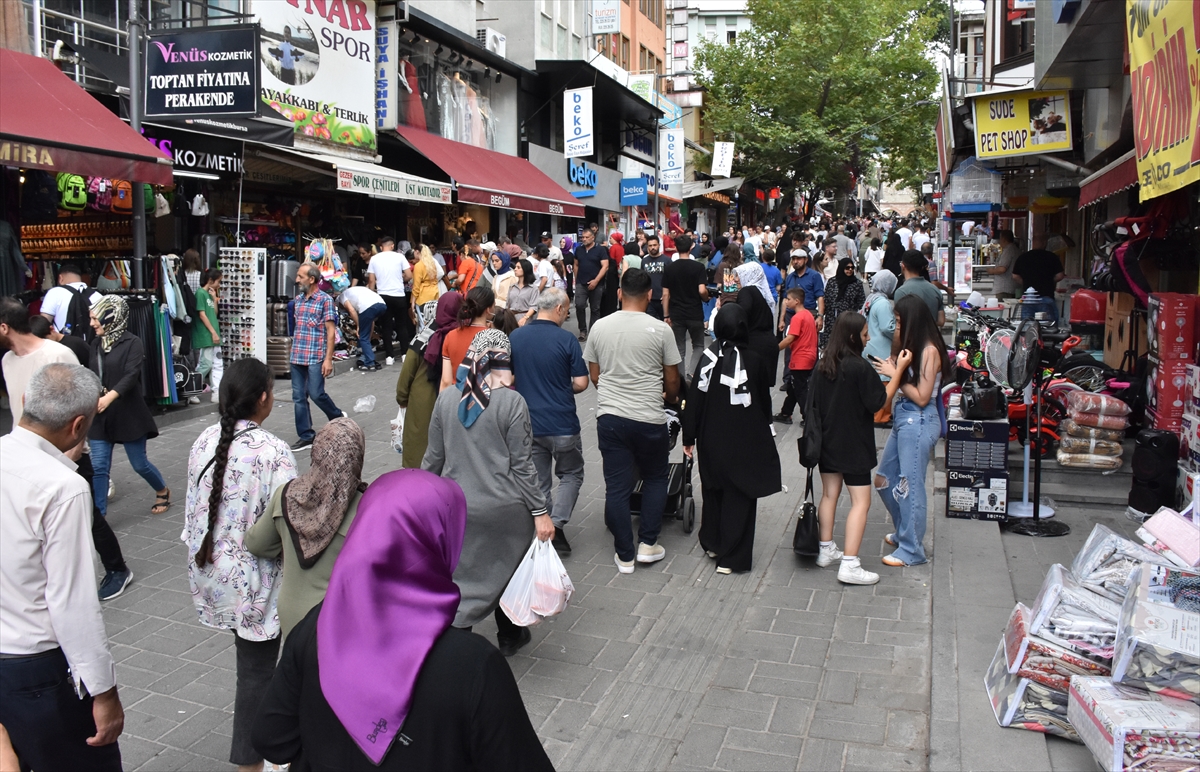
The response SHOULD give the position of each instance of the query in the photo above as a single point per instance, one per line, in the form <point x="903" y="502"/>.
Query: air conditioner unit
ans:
<point x="492" y="40"/>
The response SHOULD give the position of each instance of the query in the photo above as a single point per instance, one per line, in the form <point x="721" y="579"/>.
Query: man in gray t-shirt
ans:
<point x="633" y="361"/>
<point x="914" y="265"/>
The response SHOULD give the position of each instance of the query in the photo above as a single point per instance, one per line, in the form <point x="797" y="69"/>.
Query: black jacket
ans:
<point x="120" y="370"/>
<point x="848" y="406"/>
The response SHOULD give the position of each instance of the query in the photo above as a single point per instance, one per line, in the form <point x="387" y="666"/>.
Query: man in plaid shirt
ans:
<point x="312" y="353"/>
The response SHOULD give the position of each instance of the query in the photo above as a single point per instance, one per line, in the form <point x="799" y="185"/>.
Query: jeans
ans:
<point x="588" y="298"/>
<point x="396" y="319"/>
<point x="210" y="361"/>
<point x="905" y="460"/>
<point x="46" y="721"/>
<point x="103" y="537"/>
<point x="1046" y="304"/>
<point x="682" y="330"/>
<point x="710" y="304"/>
<point x="366" y="322"/>
<point x="308" y="383"/>
<point x="255" y="667"/>
<point x="627" y="446"/>
<point x="102" y="451"/>
<point x="565" y="454"/>
<point x="797" y="393"/>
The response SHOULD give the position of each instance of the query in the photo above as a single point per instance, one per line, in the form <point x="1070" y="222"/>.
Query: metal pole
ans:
<point x="135" y="122"/>
<point x="36" y="10"/>
<point x="950" y="264"/>
<point x="654" y="211"/>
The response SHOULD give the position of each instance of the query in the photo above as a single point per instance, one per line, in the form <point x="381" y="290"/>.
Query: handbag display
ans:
<point x="807" y="541"/>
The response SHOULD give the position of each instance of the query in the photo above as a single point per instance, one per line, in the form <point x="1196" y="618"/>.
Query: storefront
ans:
<point x="709" y="202"/>
<point x="596" y="187"/>
<point x="667" y="197"/>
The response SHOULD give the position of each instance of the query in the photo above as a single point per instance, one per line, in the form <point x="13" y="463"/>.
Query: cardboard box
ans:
<point x="1165" y="381"/>
<point x="1192" y="387"/>
<point x="1119" y="304"/>
<point x="1189" y="441"/>
<point x="977" y="445"/>
<point x="1123" y="332"/>
<point x="976" y="495"/>
<point x="1164" y="421"/>
<point x="1172" y="325"/>
<point x="1189" y="494"/>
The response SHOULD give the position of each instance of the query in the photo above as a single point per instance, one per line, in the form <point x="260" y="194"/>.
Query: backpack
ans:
<point x="99" y="194"/>
<point x="72" y="191"/>
<point x="148" y="198"/>
<point x="79" y="314"/>
<point x="122" y="197"/>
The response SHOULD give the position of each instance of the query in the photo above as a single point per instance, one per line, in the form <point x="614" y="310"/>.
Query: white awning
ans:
<point x="700" y="187"/>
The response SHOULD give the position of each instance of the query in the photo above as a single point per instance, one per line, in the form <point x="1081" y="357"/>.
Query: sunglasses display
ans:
<point x="242" y="304"/>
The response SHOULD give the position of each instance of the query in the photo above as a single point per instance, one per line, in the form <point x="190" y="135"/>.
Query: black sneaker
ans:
<point x="560" y="542"/>
<point x="376" y="366"/>
<point x="780" y="418"/>
<point x="115" y="583"/>
<point x="509" y="648"/>
<point x="300" y="445"/>
<point x="364" y="368"/>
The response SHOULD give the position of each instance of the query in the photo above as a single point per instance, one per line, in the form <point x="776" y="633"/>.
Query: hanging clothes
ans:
<point x="447" y="107"/>
<point x="12" y="262"/>
<point x="489" y="122"/>
<point x="463" y="113"/>
<point x="414" y="109"/>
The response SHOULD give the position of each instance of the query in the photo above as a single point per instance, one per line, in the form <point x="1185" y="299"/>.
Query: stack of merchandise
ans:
<point x="1189" y="442"/>
<point x="1173" y="340"/>
<point x="1174" y="536"/>
<point x="1108" y="655"/>
<point x="1092" y="434"/>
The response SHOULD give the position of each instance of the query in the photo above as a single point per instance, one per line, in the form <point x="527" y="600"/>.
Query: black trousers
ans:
<point x="46" y="721"/>
<point x="255" y="667"/>
<point x="396" y="319"/>
<point x="727" y="526"/>
<point x="798" y="392"/>
<point x="102" y="533"/>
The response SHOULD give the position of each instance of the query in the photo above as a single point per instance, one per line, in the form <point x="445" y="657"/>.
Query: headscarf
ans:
<point x="487" y="366"/>
<point x="505" y="261"/>
<point x="762" y="339"/>
<point x="570" y="244"/>
<point x="444" y="321"/>
<point x="113" y="314"/>
<point x="732" y="333"/>
<point x="893" y="252"/>
<point x="883" y="284"/>
<point x="752" y="275"/>
<point x="748" y="253"/>
<point x="840" y="277"/>
<point x="315" y="502"/>
<point x="426" y="319"/>
<point x="390" y="598"/>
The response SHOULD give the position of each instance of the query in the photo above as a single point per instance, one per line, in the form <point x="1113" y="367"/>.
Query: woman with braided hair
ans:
<point x="233" y="471"/>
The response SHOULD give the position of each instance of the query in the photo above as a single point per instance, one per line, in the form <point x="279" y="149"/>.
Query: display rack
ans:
<point x="243" y="307"/>
<point x="77" y="236"/>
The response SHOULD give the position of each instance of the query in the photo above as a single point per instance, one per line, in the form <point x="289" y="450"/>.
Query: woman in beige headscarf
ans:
<point x="308" y="519"/>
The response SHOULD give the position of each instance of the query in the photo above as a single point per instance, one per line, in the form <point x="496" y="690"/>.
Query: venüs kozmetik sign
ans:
<point x="211" y="71"/>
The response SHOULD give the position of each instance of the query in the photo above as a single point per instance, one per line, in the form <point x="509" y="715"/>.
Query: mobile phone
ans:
<point x="874" y="358"/>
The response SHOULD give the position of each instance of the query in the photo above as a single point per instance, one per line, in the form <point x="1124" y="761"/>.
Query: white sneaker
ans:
<point x="216" y="398"/>
<point x="828" y="555"/>
<point x="112" y="488"/>
<point x="622" y="566"/>
<point x="193" y="400"/>
<point x="390" y="361"/>
<point x="855" y="574"/>
<point x="650" y="553"/>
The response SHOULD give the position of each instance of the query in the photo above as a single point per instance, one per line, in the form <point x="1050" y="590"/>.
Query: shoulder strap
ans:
<point x="213" y="460"/>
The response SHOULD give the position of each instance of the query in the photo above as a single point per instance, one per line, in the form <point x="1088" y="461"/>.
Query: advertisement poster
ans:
<point x="202" y="72"/>
<point x="670" y="156"/>
<point x="606" y="17"/>
<point x="318" y="71"/>
<point x="1164" y="72"/>
<point x="1022" y="123"/>
<point x="577" y="123"/>
<point x="722" y="161"/>
<point x="962" y="268"/>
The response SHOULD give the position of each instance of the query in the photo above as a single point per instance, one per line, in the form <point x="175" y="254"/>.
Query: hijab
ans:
<point x="883" y="284"/>
<point x="752" y="275"/>
<point x="113" y="314"/>
<point x="748" y="253"/>
<point x="426" y="319"/>
<point x="894" y="250"/>
<point x="315" y="503"/>
<point x="487" y="366"/>
<point x="570" y="244"/>
<point x="444" y="321"/>
<point x="390" y="597"/>
<point x="732" y="331"/>
<point x="840" y="277"/>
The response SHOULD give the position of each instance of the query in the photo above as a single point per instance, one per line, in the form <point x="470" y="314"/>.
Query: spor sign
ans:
<point x="1018" y="123"/>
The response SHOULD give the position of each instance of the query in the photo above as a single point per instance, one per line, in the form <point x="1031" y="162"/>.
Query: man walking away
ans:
<point x="655" y="263"/>
<point x="549" y="371"/>
<point x="632" y="362"/>
<point x="312" y="353"/>
<point x="53" y="645"/>
<point x="364" y="306"/>
<point x="27" y="353"/>
<point x="591" y="266"/>
<point x="386" y="275"/>
<point x="685" y="288"/>
<point x="67" y="304"/>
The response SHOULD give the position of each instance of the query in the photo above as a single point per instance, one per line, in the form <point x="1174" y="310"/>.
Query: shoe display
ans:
<point x="114" y="584"/>
<point x="560" y="542"/>
<point x="509" y="648"/>
<point x="780" y="418"/>
<point x="300" y="445"/>
<point x="622" y="566"/>
<point x="828" y="555"/>
<point x="856" y="574"/>
<point x="650" y="553"/>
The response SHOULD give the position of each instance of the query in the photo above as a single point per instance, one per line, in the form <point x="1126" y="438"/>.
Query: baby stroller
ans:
<point x="680" y="504"/>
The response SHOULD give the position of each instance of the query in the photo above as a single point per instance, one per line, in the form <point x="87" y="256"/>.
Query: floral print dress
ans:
<point x="237" y="590"/>
<point x="851" y="298"/>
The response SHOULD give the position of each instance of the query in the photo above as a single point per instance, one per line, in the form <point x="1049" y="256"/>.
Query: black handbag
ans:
<point x="810" y="444"/>
<point x="807" y="540"/>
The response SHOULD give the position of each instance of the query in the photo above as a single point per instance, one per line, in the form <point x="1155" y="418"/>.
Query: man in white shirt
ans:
<point x="51" y="623"/>
<point x="364" y="307"/>
<point x="386" y="274"/>
<point x="27" y="353"/>
<point x="845" y="245"/>
<point x="920" y="238"/>
<point x="905" y="235"/>
<point x="754" y="236"/>
<point x="543" y="268"/>
<point x="548" y="240"/>
<point x="57" y="302"/>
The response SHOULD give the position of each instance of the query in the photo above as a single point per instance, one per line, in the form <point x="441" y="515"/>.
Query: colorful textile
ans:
<point x="487" y="366"/>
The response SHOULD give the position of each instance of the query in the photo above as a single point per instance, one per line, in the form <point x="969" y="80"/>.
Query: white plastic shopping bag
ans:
<point x="552" y="587"/>
<point x="398" y="431"/>
<point x="517" y="600"/>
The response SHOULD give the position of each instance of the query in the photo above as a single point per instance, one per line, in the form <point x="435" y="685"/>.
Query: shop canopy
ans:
<point x="48" y="122"/>
<point x="700" y="187"/>
<point x="366" y="178"/>
<point x="493" y="179"/>
<point x="1119" y="175"/>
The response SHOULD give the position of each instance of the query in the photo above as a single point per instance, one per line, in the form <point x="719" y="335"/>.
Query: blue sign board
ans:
<point x="581" y="175"/>
<point x="634" y="192"/>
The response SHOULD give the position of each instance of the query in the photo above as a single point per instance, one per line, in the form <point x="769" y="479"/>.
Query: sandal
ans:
<point x="162" y="502"/>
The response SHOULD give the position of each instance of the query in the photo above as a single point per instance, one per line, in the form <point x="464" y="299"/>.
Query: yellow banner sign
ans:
<point x="1164" y="72"/>
<point x="1022" y="123"/>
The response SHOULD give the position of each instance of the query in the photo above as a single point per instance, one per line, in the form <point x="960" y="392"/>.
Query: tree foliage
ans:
<point x="818" y="88"/>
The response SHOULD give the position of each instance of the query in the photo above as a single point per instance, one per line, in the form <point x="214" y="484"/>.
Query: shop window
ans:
<point x="440" y="93"/>
<point x="1016" y="34"/>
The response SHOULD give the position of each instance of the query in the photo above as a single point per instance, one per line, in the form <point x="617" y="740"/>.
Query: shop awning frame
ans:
<point x="1117" y="176"/>
<point x="49" y="122"/>
<point x="490" y="178"/>
<point x="700" y="187"/>
<point x="392" y="183"/>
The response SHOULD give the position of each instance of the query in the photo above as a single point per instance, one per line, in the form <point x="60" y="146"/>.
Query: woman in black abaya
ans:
<point x="762" y="342"/>
<point x="725" y="423"/>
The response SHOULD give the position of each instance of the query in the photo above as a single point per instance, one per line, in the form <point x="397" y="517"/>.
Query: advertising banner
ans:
<point x="643" y="86"/>
<point x="634" y="192"/>
<point x="318" y="71"/>
<point x="385" y="75"/>
<point x="1022" y="123"/>
<point x="962" y="267"/>
<point x="1164" y="71"/>
<point x="722" y="160"/>
<point x="211" y="71"/>
<point x="670" y="155"/>
<point x="577" y="123"/>
<point x="395" y="186"/>
<point x="606" y="17"/>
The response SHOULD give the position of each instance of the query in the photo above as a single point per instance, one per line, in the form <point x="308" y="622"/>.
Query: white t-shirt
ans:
<point x="874" y="260"/>
<point x="58" y="300"/>
<point x="918" y="239"/>
<point x="360" y="297"/>
<point x="389" y="268"/>
<point x="543" y="269"/>
<point x="905" y="238"/>
<point x="18" y="370"/>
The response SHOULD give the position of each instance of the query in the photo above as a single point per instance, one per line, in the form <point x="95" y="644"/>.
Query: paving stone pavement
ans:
<point x="672" y="667"/>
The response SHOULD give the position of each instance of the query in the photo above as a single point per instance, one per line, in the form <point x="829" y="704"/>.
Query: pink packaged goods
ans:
<point x="1129" y="730"/>
<point x="1180" y="535"/>
<point x="1103" y="404"/>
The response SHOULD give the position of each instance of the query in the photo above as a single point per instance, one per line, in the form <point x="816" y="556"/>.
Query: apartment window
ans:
<point x="625" y="53"/>
<point x="1017" y="35"/>
<point x="545" y="24"/>
<point x="561" y="48"/>
<point x="731" y="36"/>
<point x="652" y="10"/>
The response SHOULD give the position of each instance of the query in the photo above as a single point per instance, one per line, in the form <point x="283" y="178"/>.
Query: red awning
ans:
<point x="48" y="122"/>
<point x="1119" y="175"/>
<point x="493" y="179"/>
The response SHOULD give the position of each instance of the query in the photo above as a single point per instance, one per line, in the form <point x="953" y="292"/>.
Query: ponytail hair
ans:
<point x="478" y="300"/>
<point x="245" y="381"/>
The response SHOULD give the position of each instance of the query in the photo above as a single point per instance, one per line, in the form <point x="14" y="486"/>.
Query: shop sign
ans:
<point x="670" y="155"/>
<point x="606" y="17"/>
<point x="57" y="159"/>
<point x="577" y="122"/>
<point x="643" y="86"/>
<point x="207" y="71"/>
<point x="195" y="152"/>
<point x="387" y="186"/>
<point x="385" y="75"/>
<point x="1164" y="72"/>
<point x="318" y="71"/>
<point x="634" y="192"/>
<point x="716" y="197"/>
<point x="584" y="177"/>
<point x="636" y="143"/>
<point x="1022" y="123"/>
<point x="722" y="160"/>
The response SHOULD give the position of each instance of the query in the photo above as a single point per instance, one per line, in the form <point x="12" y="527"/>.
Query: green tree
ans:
<point x="818" y="88"/>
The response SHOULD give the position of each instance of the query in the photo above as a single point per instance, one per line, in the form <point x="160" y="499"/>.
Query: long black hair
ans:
<point x="527" y="275"/>
<point x="245" y="381"/>
<point x="844" y="341"/>
<point x="477" y="301"/>
<point x="917" y="331"/>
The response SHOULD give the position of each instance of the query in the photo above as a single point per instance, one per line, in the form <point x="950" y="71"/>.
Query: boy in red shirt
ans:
<point x="801" y="339"/>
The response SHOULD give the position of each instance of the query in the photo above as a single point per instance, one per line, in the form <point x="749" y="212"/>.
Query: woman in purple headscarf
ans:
<point x="375" y="677"/>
